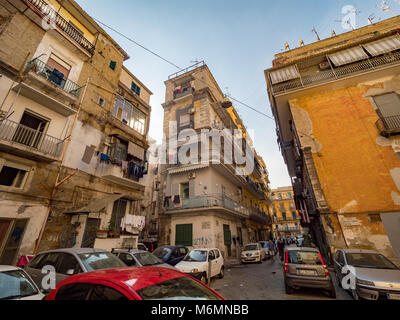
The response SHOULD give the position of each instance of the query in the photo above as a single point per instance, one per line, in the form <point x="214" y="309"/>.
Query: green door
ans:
<point x="184" y="234"/>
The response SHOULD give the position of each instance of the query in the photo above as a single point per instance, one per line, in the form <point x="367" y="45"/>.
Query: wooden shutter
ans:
<point x="192" y="184"/>
<point x="55" y="62"/>
<point x="184" y="234"/>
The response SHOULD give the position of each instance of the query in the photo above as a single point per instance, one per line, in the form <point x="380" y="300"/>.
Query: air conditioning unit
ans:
<point x="192" y="175"/>
<point x="324" y="65"/>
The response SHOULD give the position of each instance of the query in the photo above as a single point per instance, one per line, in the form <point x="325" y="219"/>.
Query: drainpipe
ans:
<point x="58" y="183"/>
<point x="341" y="230"/>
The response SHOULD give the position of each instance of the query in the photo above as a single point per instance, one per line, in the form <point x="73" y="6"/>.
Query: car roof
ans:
<point x="128" y="277"/>
<point x="171" y="247"/>
<point x="4" y="268"/>
<point x="74" y="250"/>
<point x="358" y="251"/>
<point x="130" y="251"/>
<point x="302" y="249"/>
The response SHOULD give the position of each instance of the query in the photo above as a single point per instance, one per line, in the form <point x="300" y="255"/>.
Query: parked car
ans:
<point x="139" y="258"/>
<point x="68" y="262"/>
<point x="171" y="254"/>
<point x="141" y="246"/>
<point x="15" y="284"/>
<point x="376" y="277"/>
<point x="305" y="268"/>
<point x="252" y="252"/>
<point x="203" y="264"/>
<point x="151" y="244"/>
<point x="264" y="245"/>
<point x="144" y="283"/>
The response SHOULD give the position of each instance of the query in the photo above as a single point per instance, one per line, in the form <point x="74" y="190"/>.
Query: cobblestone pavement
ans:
<point x="264" y="282"/>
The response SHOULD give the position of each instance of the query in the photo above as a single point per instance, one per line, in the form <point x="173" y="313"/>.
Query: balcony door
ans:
<point x="30" y="130"/>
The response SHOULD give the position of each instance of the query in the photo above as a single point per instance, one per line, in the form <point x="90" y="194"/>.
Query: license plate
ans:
<point x="392" y="296"/>
<point x="307" y="272"/>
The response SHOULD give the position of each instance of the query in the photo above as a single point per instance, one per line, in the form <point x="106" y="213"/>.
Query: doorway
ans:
<point x="30" y="130"/>
<point x="89" y="236"/>
<point x="228" y="240"/>
<point x="11" y="234"/>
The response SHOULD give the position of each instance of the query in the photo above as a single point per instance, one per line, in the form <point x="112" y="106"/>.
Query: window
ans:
<point x="184" y="234"/>
<point x="184" y="120"/>
<point x="294" y="215"/>
<point x="68" y="264"/>
<point x="101" y="102"/>
<point x="113" y="65"/>
<point x="217" y="255"/>
<point x="184" y="190"/>
<point x="104" y="293"/>
<point x="16" y="284"/>
<point x="302" y="257"/>
<point x="284" y="215"/>
<point x="75" y="291"/>
<point x="135" y="88"/>
<point x="13" y="175"/>
<point x="130" y="115"/>
<point x="54" y="62"/>
<point x="127" y="259"/>
<point x="31" y="129"/>
<point x="50" y="259"/>
<point x="211" y="255"/>
<point x="100" y="260"/>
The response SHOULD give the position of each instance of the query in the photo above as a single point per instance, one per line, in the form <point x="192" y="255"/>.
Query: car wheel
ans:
<point x="288" y="289"/>
<point x="221" y="273"/>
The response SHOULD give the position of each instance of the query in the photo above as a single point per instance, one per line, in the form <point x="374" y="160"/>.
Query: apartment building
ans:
<point x="72" y="119"/>
<point x="205" y="202"/>
<point x="286" y="220"/>
<point x="336" y="107"/>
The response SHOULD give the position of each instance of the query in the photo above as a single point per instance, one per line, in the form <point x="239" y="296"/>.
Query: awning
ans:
<point x="187" y="168"/>
<point x="97" y="205"/>
<point x="348" y="56"/>
<point x="384" y="45"/>
<point x="285" y="74"/>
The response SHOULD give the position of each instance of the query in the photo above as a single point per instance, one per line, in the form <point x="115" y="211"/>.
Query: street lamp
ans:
<point x="226" y="104"/>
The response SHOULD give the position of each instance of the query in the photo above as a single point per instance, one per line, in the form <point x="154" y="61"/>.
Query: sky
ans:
<point x="236" y="39"/>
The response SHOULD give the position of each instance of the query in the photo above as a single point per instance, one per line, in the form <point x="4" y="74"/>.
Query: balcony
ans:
<point x="44" y="10"/>
<point x="217" y="202"/>
<point x="54" y="77"/>
<point x="338" y="73"/>
<point x="388" y="126"/>
<point x="184" y="92"/>
<point x="260" y="216"/>
<point x="24" y="141"/>
<point x="114" y="173"/>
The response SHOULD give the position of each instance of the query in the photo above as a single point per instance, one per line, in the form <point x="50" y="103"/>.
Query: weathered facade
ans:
<point x="72" y="119"/>
<point x="285" y="216"/>
<point x="206" y="203"/>
<point x="336" y="107"/>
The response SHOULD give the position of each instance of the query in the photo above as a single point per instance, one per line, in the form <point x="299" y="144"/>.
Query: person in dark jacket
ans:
<point x="281" y="248"/>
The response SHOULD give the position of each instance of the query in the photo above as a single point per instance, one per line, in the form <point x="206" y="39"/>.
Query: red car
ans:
<point x="134" y="283"/>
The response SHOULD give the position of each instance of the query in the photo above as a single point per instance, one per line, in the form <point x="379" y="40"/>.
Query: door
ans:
<point x="89" y="237"/>
<point x="30" y="130"/>
<point x="213" y="262"/>
<point x="119" y="211"/>
<point x="13" y="241"/>
<point x="219" y="259"/>
<point x="227" y="239"/>
<point x="4" y="227"/>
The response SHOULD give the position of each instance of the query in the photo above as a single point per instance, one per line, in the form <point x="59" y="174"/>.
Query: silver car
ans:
<point x="375" y="276"/>
<point x="15" y="284"/>
<point x="67" y="262"/>
<point x="140" y="258"/>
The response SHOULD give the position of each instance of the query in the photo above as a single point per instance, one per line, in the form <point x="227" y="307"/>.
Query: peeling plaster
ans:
<point x="395" y="173"/>
<point x="348" y="206"/>
<point x="304" y="128"/>
<point x="394" y="143"/>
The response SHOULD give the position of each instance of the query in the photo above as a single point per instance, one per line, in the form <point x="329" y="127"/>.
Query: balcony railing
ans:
<point x="388" y="125"/>
<point x="209" y="201"/>
<point x="183" y="92"/>
<point x="337" y="73"/>
<point x="260" y="216"/>
<point x="50" y="74"/>
<point x="60" y="22"/>
<point x="23" y="135"/>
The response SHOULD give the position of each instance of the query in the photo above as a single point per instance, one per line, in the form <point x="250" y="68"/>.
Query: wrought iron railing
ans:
<point x="45" y="71"/>
<point x="388" y="125"/>
<point x="54" y="17"/>
<point x="18" y="133"/>
<point x="337" y="73"/>
<point x="260" y="216"/>
<point x="217" y="200"/>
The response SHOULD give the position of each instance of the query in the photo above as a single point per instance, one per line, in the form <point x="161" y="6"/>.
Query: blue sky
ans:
<point x="237" y="40"/>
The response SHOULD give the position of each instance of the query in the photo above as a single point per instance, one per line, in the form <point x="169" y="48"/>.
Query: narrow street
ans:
<point x="264" y="282"/>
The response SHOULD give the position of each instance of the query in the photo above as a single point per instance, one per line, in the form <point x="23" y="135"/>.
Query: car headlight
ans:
<point x="195" y="270"/>
<point x="364" y="282"/>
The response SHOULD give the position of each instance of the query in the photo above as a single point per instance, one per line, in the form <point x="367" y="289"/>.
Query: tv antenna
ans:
<point x="372" y="19"/>
<point x="316" y="33"/>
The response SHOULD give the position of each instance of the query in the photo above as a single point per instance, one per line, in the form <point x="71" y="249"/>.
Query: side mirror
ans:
<point x="70" y="272"/>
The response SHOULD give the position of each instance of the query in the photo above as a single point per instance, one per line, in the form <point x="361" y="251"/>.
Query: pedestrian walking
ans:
<point x="281" y="248"/>
<point x="271" y="249"/>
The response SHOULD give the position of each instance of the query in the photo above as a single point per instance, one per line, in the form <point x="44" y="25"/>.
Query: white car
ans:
<point x="203" y="264"/>
<point x="252" y="252"/>
<point x="15" y="284"/>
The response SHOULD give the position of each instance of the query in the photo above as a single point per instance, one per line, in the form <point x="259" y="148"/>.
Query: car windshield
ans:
<point x="147" y="259"/>
<point x="162" y="252"/>
<point x="369" y="260"/>
<point x="184" y="288"/>
<point x="250" y="247"/>
<point x="304" y="257"/>
<point x="100" y="260"/>
<point x="196" y="256"/>
<point x="15" y="284"/>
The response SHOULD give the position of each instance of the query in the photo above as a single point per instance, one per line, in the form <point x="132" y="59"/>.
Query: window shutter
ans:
<point x="192" y="184"/>
<point x="184" y="234"/>
<point x="113" y="64"/>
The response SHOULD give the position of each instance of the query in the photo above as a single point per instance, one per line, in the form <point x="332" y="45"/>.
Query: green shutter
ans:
<point x="227" y="237"/>
<point x="113" y="64"/>
<point x="184" y="234"/>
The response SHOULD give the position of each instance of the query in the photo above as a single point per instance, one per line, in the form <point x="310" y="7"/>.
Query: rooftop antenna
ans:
<point x="316" y="33"/>
<point x="287" y="47"/>
<point x="372" y="18"/>
<point x="333" y="33"/>
<point x="301" y="42"/>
